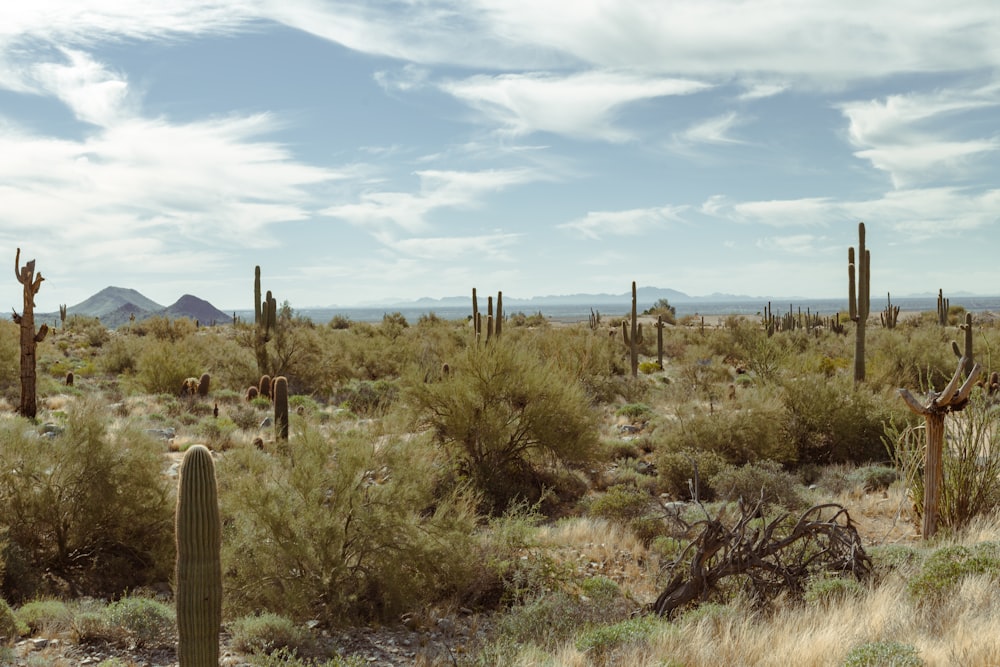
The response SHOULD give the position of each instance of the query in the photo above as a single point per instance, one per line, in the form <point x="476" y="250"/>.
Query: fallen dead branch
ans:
<point x="774" y="556"/>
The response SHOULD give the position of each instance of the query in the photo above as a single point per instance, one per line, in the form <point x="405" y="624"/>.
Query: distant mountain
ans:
<point x="196" y="309"/>
<point x="646" y="296"/>
<point x="116" y="306"/>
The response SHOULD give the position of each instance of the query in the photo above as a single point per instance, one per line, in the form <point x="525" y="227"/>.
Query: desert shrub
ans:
<point x="88" y="328"/>
<point x="874" y="477"/>
<point x="686" y="472"/>
<point x="217" y="433"/>
<point x="366" y="397"/>
<point x="10" y="355"/>
<point x="762" y="355"/>
<point x="85" y="497"/>
<point x="284" y="657"/>
<point x="362" y="525"/>
<point x="910" y="357"/>
<point x="339" y="322"/>
<point x="119" y="356"/>
<point x="763" y="478"/>
<point x="888" y="558"/>
<point x="831" y="590"/>
<point x="634" y="472"/>
<point x="603" y="642"/>
<point x="649" y="367"/>
<point x="634" y="411"/>
<point x="165" y="328"/>
<point x="556" y="617"/>
<point x="140" y="622"/>
<point x="883" y="654"/>
<point x="245" y="417"/>
<point x="738" y="436"/>
<point x="945" y="568"/>
<point x="11" y="627"/>
<point x="504" y="413"/>
<point x="268" y="633"/>
<point x="164" y="365"/>
<point x="970" y="462"/>
<point x="829" y="420"/>
<point x="592" y="359"/>
<point x="47" y="616"/>
<point x="631" y="507"/>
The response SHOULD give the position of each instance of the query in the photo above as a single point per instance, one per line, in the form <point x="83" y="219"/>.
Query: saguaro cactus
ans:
<point x="943" y="305"/>
<point x="281" y="408"/>
<point x="952" y="399"/>
<point x="632" y="335"/>
<point x="659" y="340"/>
<point x="29" y="338"/>
<point x="264" y="319"/>
<point x="889" y="316"/>
<point x="199" y="569"/>
<point x="859" y="303"/>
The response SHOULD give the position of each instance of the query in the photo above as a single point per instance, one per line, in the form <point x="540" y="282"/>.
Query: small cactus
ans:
<point x="264" y="386"/>
<point x="203" y="384"/>
<point x="199" y="569"/>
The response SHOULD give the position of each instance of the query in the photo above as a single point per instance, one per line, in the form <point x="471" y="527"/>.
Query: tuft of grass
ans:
<point x="883" y="654"/>
<point x="268" y="633"/>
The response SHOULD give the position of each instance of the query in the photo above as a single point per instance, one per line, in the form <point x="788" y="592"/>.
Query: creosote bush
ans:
<point x="361" y="524"/>
<point x="503" y="414"/>
<point x="86" y="499"/>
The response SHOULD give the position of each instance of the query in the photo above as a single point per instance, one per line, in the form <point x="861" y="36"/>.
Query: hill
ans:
<point x="115" y="306"/>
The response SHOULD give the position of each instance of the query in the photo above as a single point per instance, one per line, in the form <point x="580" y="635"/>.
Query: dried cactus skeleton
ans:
<point x="29" y="337"/>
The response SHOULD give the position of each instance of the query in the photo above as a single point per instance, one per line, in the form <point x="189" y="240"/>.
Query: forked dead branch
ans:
<point x="774" y="556"/>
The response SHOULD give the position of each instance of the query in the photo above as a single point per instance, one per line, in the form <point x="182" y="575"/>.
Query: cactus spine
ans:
<point x="859" y="303"/>
<point x="29" y="338"/>
<point x="280" y="396"/>
<point x="199" y="569"/>
<point x="264" y="320"/>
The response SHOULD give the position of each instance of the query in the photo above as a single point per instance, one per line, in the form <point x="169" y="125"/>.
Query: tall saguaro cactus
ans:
<point x="632" y="336"/>
<point x="859" y="303"/>
<point x="29" y="338"/>
<point x="199" y="568"/>
<point x="264" y="321"/>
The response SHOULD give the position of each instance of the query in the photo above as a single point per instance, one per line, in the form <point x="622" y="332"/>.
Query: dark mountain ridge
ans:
<point x="116" y="306"/>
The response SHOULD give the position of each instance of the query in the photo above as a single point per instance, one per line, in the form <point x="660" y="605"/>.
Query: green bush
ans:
<point x="688" y="471"/>
<point x="753" y="480"/>
<point x="874" y="477"/>
<point x="45" y="616"/>
<point x="267" y="633"/>
<point x="367" y="536"/>
<point x="87" y="498"/>
<point x="828" y="590"/>
<point x="634" y="411"/>
<point x="366" y="397"/>
<point x="883" y="654"/>
<point x="602" y="642"/>
<point x="140" y="622"/>
<point x="944" y="569"/>
<point x="631" y="507"/>
<point x="829" y="420"/>
<point x="11" y="627"/>
<point x="504" y="413"/>
<point x="164" y="365"/>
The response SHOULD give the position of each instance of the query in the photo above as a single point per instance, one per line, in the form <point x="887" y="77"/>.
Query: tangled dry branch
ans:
<point x="773" y="555"/>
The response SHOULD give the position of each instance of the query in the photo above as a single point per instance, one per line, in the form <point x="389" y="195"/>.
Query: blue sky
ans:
<point x="368" y="151"/>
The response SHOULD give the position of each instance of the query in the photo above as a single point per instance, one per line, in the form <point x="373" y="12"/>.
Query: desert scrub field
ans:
<point x="518" y="501"/>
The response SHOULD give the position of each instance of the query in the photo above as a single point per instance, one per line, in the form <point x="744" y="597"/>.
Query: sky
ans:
<point x="364" y="151"/>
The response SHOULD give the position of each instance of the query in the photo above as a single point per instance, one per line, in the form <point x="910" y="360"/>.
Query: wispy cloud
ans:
<point x="383" y="212"/>
<point x="598" y="224"/>
<point x="793" y="244"/>
<point x="912" y="137"/>
<point x="581" y="105"/>
<point x="458" y="248"/>
<point x="714" y="130"/>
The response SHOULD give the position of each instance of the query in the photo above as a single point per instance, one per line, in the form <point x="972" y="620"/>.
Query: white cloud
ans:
<point x="94" y="94"/>
<point x="598" y="224"/>
<point x="910" y="136"/>
<point x="714" y="130"/>
<point x="458" y="248"/>
<point x="381" y="212"/>
<point x="581" y="105"/>
<point x="793" y="244"/>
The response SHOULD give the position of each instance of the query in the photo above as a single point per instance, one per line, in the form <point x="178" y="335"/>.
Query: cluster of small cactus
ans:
<point x="859" y="303"/>
<point x="791" y="320"/>
<point x="494" y="323"/>
<point x="595" y="319"/>
<point x="889" y="316"/>
<point x="198" y="533"/>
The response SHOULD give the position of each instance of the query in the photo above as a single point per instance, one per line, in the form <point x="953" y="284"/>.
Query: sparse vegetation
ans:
<point x="521" y="499"/>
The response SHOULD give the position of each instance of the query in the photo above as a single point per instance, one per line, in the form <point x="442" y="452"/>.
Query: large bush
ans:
<point x="89" y="505"/>
<point x="340" y="530"/>
<point x="501" y="414"/>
